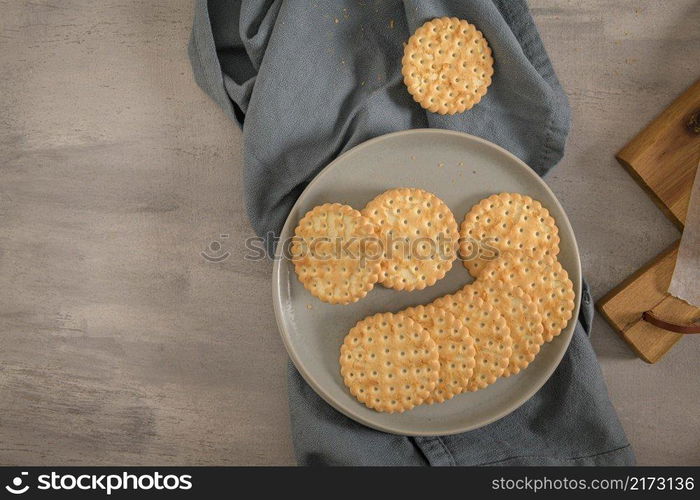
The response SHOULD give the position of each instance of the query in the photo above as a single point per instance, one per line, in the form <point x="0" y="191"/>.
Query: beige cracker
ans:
<point x="447" y="65"/>
<point x="419" y="236"/>
<point x="503" y="222"/>
<point x="336" y="253"/>
<point x="522" y="317"/>
<point x="542" y="277"/>
<point x="455" y="349"/>
<point x="389" y="362"/>
<point x="491" y="336"/>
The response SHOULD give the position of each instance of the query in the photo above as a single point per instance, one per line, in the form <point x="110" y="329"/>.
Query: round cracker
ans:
<point x="447" y="65"/>
<point x="522" y="317"/>
<point x="491" y="336"/>
<point x="419" y="235"/>
<point x="389" y="362"/>
<point x="455" y="350"/>
<point x="544" y="278"/>
<point x="336" y="253"/>
<point x="504" y="222"/>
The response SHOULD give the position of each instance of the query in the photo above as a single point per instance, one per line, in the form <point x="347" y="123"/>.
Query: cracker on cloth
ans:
<point x="447" y="65"/>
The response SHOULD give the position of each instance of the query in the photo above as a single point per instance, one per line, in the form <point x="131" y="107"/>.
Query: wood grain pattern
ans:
<point x="120" y="344"/>
<point x="664" y="156"/>
<point x="646" y="290"/>
<point x="653" y="278"/>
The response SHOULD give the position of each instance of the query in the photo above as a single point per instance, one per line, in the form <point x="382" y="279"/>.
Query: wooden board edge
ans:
<point x="621" y="329"/>
<point x="640" y="354"/>
<point x="648" y="190"/>
<point x="670" y="339"/>
<point x="621" y="334"/>
<point x="624" y="283"/>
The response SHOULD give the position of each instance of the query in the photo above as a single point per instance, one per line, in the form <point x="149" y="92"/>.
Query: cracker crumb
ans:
<point x="391" y="24"/>
<point x="336" y="20"/>
<point x="461" y="164"/>
<point x="309" y="306"/>
<point x="440" y="165"/>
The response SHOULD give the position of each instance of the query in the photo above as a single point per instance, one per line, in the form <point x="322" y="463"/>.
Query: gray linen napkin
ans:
<point x="308" y="80"/>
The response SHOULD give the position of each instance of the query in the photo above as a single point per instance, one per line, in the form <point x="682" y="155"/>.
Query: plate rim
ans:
<point x="276" y="286"/>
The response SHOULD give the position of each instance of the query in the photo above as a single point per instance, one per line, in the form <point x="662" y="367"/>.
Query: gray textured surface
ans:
<point x="119" y="343"/>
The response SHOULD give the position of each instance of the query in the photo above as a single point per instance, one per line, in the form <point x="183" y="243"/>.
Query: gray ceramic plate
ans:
<point x="461" y="170"/>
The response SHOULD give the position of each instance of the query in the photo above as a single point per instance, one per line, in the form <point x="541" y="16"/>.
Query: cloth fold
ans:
<point x="309" y="80"/>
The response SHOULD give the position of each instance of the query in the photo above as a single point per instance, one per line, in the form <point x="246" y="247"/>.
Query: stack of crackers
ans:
<point x="407" y="239"/>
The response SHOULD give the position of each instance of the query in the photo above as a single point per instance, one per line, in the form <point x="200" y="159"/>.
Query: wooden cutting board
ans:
<point x="663" y="158"/>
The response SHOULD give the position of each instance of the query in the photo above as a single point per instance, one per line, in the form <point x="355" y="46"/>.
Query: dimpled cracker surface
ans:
<point x="455" y="350"/>
<point x="419" y="235"/>
<point x="522" y="317"/>
<point x="490" y="332"/>
<point x="503" y="222"/>
<point x="389" y="362"/>
<point x="336" y="253"/>
<point x="447" y="65"/>
<point x="544" y="279"/>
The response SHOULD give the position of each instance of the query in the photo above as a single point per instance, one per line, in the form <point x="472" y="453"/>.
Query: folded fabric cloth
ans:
<point x="309" y="80"/>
